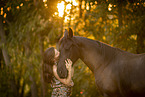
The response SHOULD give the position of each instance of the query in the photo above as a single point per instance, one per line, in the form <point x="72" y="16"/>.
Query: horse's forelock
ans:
<point x="65" y="42"/>
<point x="61" y="41"/>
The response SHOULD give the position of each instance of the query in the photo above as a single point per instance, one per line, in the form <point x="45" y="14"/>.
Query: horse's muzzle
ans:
<point x="62" y="74"/>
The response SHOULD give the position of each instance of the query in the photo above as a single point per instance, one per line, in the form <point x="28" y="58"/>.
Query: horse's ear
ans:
<point x="65" y="33"/>
<point x="70" y="33"/>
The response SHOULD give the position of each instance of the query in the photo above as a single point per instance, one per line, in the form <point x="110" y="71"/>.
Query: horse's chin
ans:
<point x="62" y="75"/>
<point x="65" y="76"/>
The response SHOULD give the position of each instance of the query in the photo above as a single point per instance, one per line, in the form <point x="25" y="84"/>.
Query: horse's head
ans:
<point x="68" y="49"/>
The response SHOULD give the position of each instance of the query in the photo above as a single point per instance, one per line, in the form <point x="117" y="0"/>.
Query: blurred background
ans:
<point x="28" y="27"/>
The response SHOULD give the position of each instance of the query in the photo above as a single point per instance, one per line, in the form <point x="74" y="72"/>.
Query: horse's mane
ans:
<point x="103" y="47"/>
<point x="98" y="43"/>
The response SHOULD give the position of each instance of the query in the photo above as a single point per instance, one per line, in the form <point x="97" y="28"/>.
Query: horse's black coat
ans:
<point x="117" y="72"/>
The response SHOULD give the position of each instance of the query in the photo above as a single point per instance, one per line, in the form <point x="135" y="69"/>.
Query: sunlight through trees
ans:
<point x="28" y="27"/>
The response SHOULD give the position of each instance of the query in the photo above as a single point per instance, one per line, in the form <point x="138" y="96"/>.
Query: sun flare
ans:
<point x="61" y="7"/>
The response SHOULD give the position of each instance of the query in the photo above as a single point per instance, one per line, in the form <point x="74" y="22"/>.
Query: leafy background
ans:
<point x="28" y="27"/>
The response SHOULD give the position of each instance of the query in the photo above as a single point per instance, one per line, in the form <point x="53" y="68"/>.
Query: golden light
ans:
<point x="109" y="7"/>
<point x="44" y="0"/>
<point x="2" y="11"/>
<point x="68" y="0"/>
<point x="8" y="9"/>
<point x="55" y="13"/>
<point x="87" y="6"/>
<point x="133" y="37"/>
<point x="60" y="7"/>
<point x="74" y="2"/>
<point x="66" y="19"/>
<point x="17" y="7"/>
<point x="21" y="4"/>
<point x="104" y="38"/>
<point x="45" y="3"/>
<point x="68" y="6"/>
<point x="96" y="2"/>
<point x="5" y="15"/>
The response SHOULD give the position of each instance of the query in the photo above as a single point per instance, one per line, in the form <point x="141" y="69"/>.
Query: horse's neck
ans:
<point x="94" y="53"/>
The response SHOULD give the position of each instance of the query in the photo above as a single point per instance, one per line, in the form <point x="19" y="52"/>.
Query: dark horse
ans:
<point x="117" y="73"/>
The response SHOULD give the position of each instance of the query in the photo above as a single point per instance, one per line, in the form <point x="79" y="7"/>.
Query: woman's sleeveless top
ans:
<point x="60" y="89"/>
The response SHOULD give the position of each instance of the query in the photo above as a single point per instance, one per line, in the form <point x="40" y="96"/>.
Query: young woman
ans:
<point x="61" y="87"/>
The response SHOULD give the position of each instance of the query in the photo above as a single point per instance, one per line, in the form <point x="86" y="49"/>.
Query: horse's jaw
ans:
<point x="61" y="69"/>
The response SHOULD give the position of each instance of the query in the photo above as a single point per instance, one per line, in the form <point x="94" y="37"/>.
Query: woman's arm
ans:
<point x="67" y="80"/>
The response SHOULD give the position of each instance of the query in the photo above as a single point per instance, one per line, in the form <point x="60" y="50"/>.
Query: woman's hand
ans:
<point x="68" y="64"/>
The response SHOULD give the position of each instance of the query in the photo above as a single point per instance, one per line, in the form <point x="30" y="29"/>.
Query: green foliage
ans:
<point x="4" y="86"/>
<point x="84" y="81"/>
<point x="30" y="27"/>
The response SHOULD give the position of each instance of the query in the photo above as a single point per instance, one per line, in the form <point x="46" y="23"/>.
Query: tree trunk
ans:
<point x="140" y="42"/>
<point x="22" y="91"/>
<point x="80" y="7"/>
<point x="28" y="51"/>
<point x="34" y="92"/>
<point x="120" y="4"/>
<point x="7" y="60"/>
<point x="3" y="41"/>
<point x="41" y="51"/>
